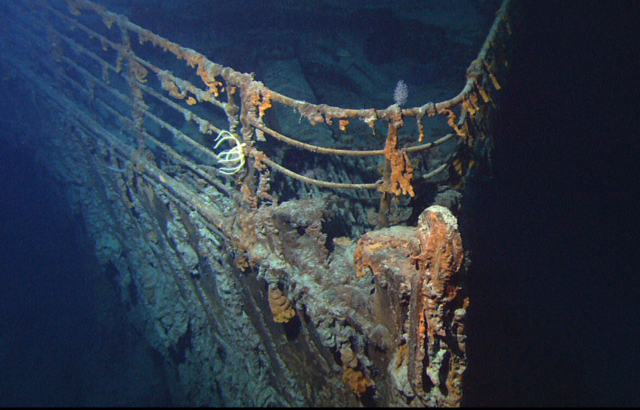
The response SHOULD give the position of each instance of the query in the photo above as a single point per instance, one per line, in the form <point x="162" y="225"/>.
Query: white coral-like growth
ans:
<point x="401" y="93"/>
<point x="233" y="159"/>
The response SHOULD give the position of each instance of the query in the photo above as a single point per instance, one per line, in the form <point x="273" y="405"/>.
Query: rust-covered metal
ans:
<point x="420" y="296"/>
<point x="260" y="275"/>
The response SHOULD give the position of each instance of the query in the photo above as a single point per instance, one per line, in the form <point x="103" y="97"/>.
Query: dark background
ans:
<point x="47" y="312"/>
<point x="555" y="316"/>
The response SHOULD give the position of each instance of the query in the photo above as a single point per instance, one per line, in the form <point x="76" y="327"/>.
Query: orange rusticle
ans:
<point x="139" y="71"/>
<point x="260" y="97"/>
<point x="266" y="102"/>
<point x="438" y="308"/>
<point x="356" y="379"/>
<point x="215" y="86"/>
<point x="191" y="101"/>
<point x="280" y="306"/>
<point x="401" y="168"/>
<point x="358" y="257"/>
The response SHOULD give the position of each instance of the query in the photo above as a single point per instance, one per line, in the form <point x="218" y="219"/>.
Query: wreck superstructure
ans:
<point x="275" y="251"/>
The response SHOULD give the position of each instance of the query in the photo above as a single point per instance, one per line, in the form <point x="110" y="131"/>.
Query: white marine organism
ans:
<point x="233" y="159"/>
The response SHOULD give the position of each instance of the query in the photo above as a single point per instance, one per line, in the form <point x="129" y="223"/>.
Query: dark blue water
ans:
<point x="555" y="315"/>
<point x="46" y="304"/>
